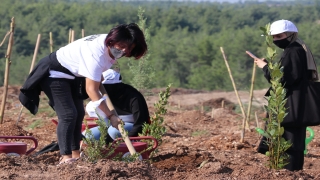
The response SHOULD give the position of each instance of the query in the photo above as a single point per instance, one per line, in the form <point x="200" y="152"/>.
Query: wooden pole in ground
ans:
<point x="5" y="37"/>
<point x="72" y="35"/>
<point x="69" y="40"/>
<point x="202" y="108"/>
<point x="6" y="74"/>
<point x="212" y="111"/>
<point x="236" y="92"/>
<point x="82" y="32"/>
<point x="120" y="127"/>
<point x="51" y="42"/>
<point x="35" y="53"/>
<point x="251" y="91"/>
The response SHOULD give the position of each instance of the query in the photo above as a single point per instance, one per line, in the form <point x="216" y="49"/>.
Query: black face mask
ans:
<point x="282" y="43"/>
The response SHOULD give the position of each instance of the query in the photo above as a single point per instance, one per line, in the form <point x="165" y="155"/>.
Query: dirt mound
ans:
<point x="174" y="91"/>
<point x="178" y="91"/>
<point x="207" y="105"/>
<point x="219" y="103"/>
<point x="195" y="146"/>
<point x="11" y="129"/>
<point x="14" y="90"/>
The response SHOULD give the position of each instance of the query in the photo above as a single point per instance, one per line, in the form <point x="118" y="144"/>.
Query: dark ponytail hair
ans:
<point x="128" y="34"/>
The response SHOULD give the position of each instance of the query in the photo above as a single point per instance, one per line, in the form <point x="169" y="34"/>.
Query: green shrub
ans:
<point x="156" y="128"/>
<point x="276" y="109"/>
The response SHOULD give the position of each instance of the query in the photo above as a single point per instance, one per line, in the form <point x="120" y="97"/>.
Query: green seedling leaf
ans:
<point x="270" y="51"/>
<point x="281" y="131"/>
<point x="268" y="153"/>
<point x="277" y="158"/>
<point x="263" y="29"/>
<point x="263" y="133"/>
<point x="272" y="132"/>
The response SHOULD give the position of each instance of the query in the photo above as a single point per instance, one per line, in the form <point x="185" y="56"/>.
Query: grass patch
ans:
<point x="35" y="124"/>
<point x="199" y="133"/>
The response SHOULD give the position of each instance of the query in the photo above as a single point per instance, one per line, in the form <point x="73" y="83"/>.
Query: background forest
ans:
<point x="185" y="37"/>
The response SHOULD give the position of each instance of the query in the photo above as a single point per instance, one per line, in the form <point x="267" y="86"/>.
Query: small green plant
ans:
<point x="278" y="158"/>
<point x="97" y="149"/>
<point x="156" y="128"/>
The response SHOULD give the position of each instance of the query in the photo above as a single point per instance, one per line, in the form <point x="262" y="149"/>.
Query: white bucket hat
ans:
<point x="282" y="26"/>
<point x="111" y="77"/>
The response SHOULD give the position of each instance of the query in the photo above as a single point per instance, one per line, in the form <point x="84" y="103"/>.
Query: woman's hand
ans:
<point x="260" y="62"/>
<point x="115" y="121"/>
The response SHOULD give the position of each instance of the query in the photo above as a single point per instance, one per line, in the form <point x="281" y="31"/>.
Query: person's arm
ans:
<point x="140" y="113"/>
<point x="261" y="63"/>
<point x="92" y="88"/>
<point x="266" y="72"/>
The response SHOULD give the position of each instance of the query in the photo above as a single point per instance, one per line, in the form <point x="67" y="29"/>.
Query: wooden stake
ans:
<point x="236" y="92"/>
<point x="6" y="74"/>
<point x="202" y="108"/>
<point x="69" y="40"/>
<point x="212" y="113"/>
<point x="35" y="53"/>
<point x="251" y="91"/>
<point x="72" y="35"/>
<point x="82" y="32"/>
<point x="5" y="37"/>
<point x="121" y="129"/>
<point x="222" y="104"/>
<point x="51" y="42"/>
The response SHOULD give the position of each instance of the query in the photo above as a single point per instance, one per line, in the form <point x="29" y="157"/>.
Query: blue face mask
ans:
<point x="117" y="53"/>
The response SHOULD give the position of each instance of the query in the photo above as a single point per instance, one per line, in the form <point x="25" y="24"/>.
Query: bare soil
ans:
<point x="202" y="142"/>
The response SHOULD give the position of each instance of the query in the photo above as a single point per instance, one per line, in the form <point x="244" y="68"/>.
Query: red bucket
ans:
<point x="140" y="147"/>
<point x="90" y="121"/>
<point x="17" y="147"/>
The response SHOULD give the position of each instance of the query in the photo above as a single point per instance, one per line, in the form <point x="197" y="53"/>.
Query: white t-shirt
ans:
<point x="85" y="57"/>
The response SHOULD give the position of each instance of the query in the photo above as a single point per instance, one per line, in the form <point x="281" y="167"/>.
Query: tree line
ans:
<point x="185" y="37"/>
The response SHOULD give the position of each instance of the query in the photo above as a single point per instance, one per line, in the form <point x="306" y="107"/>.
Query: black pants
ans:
<point x="69" y="107"/>
<point x="296" y="160"/>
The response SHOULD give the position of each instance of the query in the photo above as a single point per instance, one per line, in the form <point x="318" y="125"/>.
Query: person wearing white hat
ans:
<point x="128" y="102"/>
<point x="299" y="68"/>
<point x="73" y="73"/>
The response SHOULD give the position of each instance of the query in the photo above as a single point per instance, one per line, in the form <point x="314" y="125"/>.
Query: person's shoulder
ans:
<point x="130" y="89"/>
<point x="294" y="51"/>
<point x="294" y="48"/>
